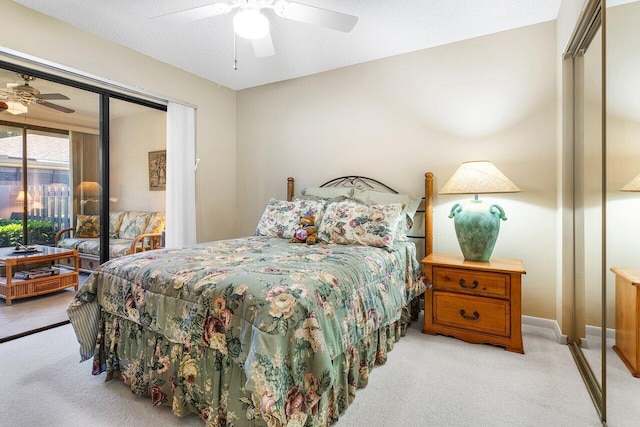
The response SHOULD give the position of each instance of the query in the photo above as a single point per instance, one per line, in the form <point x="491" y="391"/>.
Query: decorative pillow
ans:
<point x="348" y="223"/>
<point x="372" y="197"/>
<point x="133" y="223"/>
<point x="156" y="223"/>
<point x="280" y="218"/>
<point x="410" y="206"/>
<point x="115" y="220"/>
<point x="328" y="192"/>
<point x="87" y="226"/>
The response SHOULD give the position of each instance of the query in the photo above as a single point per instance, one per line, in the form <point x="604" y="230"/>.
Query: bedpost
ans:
<point x="428" y="213"/>
<point x="289" y="189"/>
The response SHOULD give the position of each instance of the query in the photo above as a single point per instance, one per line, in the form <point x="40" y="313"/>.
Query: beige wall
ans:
<point x="58" y="42"/>
<point x="131" y="137"/>
<point x="492" y="98"/>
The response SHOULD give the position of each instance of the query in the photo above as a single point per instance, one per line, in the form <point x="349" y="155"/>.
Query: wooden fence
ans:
<point x="51" y="202"/>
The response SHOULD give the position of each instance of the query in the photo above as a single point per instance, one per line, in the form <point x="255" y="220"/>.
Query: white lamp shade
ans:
<point x="478" y="177"/>
<point x="88" y="190"/>
<point x="20" y="197"/>
<point x="250" y="24"/>
<point x="16" y="107"/>
<point x="633" y="185"/>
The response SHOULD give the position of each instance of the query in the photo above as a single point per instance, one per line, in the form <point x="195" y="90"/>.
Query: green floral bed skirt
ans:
<point x="201" y="380"/>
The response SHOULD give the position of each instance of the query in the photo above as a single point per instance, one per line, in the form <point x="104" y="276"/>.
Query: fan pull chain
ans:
<point x="235" y="52"/>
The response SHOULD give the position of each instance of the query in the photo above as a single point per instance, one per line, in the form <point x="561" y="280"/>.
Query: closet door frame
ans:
<point x="592" y="19"/>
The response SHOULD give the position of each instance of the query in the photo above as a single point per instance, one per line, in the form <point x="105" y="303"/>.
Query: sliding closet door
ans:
<point x="585" y="172"/>
<point x="91" y="117"/>
<point x="137" y="157"/>
<point x="623" y="205"/>
<point x="590" y="212"/>
<point x="52" y="163"/>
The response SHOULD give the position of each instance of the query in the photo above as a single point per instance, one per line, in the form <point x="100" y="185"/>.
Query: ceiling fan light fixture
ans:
<point x="250" y="24"/>
<point x="16" y="108"/>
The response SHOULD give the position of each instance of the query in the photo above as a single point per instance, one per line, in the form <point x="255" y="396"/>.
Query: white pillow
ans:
<point x="372" y="197"/>
<point x="328" y="192"/>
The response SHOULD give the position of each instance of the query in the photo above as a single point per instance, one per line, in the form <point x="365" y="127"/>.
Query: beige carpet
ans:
<point x="427" y="381"/>
<point x="35" y="313"/>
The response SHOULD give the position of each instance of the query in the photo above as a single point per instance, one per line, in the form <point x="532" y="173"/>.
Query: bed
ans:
<point x="258" y="330"/>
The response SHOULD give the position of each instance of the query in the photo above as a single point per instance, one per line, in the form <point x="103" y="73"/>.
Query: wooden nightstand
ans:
<point x="628" y="318"/>
<point x="477" y="302"/>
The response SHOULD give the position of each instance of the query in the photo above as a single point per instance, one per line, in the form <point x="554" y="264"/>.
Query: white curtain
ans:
<point x="181" y="176"/>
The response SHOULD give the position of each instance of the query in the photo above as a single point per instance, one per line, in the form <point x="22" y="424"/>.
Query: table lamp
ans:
<point x="20" y="197"/>
<point x="633" y="185"/>
<point x="88" y="192"/>
<point x="477" y="223"/>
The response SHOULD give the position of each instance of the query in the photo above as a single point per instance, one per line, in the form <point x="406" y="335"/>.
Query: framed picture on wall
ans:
<point x="157" y="170"/>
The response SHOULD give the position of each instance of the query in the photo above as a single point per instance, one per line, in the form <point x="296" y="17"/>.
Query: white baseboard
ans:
<point x="597" y="331"/>
<point x="546" y="323"/>
<point x="594" y="331"/>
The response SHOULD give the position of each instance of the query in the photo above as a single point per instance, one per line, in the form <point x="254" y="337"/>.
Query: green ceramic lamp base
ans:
<point x="477" y="225"/>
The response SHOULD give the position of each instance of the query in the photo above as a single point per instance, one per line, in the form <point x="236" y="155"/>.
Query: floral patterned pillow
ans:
<point x="115" y="219"/>
<point x="133" y="223"/>
<point x="410" y="206"/>
<point x="352" y="223"/>
<point x="280" y="218"/>
<point x="156" y="223"/>
<point x="87" y="226"/>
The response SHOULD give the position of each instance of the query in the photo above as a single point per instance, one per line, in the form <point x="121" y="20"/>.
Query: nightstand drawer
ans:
<point x="479" y="283"/>
<point x="484" y="315"/>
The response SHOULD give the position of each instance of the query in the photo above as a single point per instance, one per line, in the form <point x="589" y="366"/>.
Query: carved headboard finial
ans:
<point x="290" y="188"/>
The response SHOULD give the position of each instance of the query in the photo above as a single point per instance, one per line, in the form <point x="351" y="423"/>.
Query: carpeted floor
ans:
<point x="427" y="381"/>
<point x="35" y="313"/>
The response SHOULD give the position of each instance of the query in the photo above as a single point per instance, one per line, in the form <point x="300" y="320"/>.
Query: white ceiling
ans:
<point x="205" y="48"/>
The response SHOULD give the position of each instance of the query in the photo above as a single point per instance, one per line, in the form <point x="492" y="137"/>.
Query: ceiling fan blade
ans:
<point x="52" y="96"/>
<point x="56" y="107"/>
<point x="263" y="47"/>
<point x="193" y="14"/>
<point x="315" y="15"/>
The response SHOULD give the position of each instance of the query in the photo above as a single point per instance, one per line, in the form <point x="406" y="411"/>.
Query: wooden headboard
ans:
<point x="363" y="182"/>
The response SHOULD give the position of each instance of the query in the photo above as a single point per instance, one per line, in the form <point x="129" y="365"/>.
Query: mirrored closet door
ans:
<point x="604" y="144"/>
<point x="623" y="208"/>
<point x="584" y="177"/>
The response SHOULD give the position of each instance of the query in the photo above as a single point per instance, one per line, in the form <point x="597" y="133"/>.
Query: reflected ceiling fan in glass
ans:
<point x="26" y="95"/>
<point x="250" y="23"/>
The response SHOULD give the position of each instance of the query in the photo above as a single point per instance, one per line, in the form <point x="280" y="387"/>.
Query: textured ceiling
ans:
<point x="205" y="48"/>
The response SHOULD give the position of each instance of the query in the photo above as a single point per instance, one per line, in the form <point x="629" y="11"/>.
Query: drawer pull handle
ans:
<point x="464" y="314"/>
<point x="473" y="285"/>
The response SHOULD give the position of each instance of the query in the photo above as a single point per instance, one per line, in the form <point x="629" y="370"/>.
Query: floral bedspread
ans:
<point x="281" y="311"/>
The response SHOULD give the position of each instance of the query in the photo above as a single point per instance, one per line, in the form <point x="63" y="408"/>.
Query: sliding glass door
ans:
<point x="35" y="166"/>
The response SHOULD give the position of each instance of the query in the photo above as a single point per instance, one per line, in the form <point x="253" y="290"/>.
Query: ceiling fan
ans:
<point x="251" y="24"/>
<point x="19" y="96"/>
